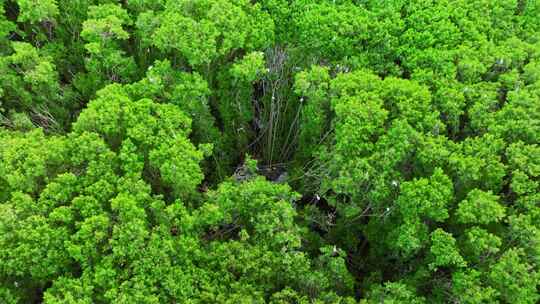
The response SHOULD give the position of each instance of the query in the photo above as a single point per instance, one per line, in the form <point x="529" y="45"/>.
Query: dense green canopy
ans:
<point x="270" y="151"/>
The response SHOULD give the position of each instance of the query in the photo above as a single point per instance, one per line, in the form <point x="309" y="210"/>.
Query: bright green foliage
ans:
<point x="28" y="160"/>
<point x="479" y="244"/>
<point x="5" y="28"/>
<point x="515" y="279"/>
<point x="188" y="91"/>
<point x="393" y="293"/>
<point x="229" y="253"/>
<point x="444" y="251"/>
<point x="525" y="162"/>
<point x="421" y="200"/>
<point x="196" y="41"/>
<point x="105" y="22"/>
<point x="272" y="222"/>
<point x="469" y="288"/>
<point x="91" y="195"/>
<point x="426" y="198"/>
<point x="37" y="10"/>
<point x="203" y="31"/>
<point x="478" y="164"/>
<point x="103" y="31"/>
<point x="28" y="78"/>
<point x="480" y="208"/>
<point x="313" y="85"/>
<point x="270" y="151"/>
<point x="249" y="68"/>
<point x="144" y="130"/>
<point x="63" y="220"/>
<point x="401" y="160"/>
<point x="220" y="43"/>
<point x="524" y="230"/>
<point x="331" y="31"/>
